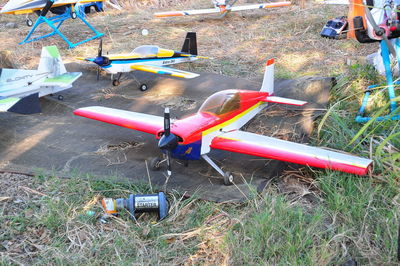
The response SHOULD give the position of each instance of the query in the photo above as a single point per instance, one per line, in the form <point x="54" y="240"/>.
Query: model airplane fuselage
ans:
<point x="222" y="7"/>
<point x="216" y="126"/>
<point x="142" y="56"/>
<point x="20" y="89"/>
<point x="148" y="58"/>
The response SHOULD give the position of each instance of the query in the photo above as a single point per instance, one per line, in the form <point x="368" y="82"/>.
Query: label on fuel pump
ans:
<point x="143" y="203"/>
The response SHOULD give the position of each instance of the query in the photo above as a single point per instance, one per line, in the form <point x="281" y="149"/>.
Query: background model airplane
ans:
<point x="20" y="89"/>
<point x="18" y="7"/>
<point x="220" y="6"/>
<point x="149" y="58"/>
<point x="216" y="126"/>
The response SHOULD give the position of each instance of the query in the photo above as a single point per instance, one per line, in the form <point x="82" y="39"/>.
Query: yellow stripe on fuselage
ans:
<point x="230" y="121"/>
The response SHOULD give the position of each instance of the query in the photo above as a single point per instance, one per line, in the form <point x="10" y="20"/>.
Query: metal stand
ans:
<point x="55" y="23"/>
<point x="360" y="118"/>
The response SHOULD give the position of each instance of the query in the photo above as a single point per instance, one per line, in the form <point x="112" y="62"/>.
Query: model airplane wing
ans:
<point x="165" y="71"/>
<point x="63" y="80"/>
<point x="263" y="146"/>
<point x="219" y="10"/>
<point x="260" y="6"/>
<point x="7" y="103"/>
<point x="21" y="105"/>
<point x="186" y="12"/>
<point x="137" y="121"/>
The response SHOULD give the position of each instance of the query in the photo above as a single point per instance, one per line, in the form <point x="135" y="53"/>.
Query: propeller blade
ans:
<point x="100" y="50"/>
<point x="98" y="73"/>
<point x="167" y="122"/>
<point x="380" y="31"/>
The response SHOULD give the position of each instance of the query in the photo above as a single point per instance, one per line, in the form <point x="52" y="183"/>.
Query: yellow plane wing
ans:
<point x="165" y="71"/>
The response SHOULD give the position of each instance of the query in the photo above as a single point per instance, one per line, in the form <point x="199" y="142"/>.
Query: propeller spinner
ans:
<point x="168" y="141"/>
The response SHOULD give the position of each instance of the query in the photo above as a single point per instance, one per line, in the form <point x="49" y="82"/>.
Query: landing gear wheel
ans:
<point x="143" y="87"/>
<point x="60" y="97"/>
<point x="29" y="22"/>
<point x="228" y="179"/>
<point x="116" y="82"/>
<point x="73" y="15"/>
<point x="155" y="163"/>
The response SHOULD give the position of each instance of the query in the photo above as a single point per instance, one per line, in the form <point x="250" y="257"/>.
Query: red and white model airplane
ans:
<point x="216" y="126"/>
<point x="222" y="7"/>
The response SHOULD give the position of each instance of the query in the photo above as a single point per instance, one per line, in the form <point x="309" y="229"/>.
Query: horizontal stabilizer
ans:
<point x="281" y="100"/>
<point x="7" y="103"/>
<point x="277" y="149"/>
<point x="27" y="105"/>
<point x="137" y="121"/>
<point x="165" y="71"/>
<point x="64" y="80"/>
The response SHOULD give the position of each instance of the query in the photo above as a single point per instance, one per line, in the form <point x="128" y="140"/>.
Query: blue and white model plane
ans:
<point x="20" y="89"/>
<point x="148" y="58"/>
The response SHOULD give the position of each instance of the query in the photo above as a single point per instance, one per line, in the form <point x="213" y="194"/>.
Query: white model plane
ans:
<point x="222" y="7"/>
<point x="217" y="126"/>
<point x="20" y="89"/>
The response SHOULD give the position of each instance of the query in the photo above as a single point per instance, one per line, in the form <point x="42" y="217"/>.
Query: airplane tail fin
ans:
<point x="268" y="81"/>
<point x="190" y="44"/>
<point x="50" y="61"/>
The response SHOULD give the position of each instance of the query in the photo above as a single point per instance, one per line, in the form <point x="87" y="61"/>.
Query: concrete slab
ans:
<point x="58" y="141"/>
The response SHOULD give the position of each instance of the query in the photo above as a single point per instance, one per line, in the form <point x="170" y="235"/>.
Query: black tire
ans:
<point x="60" y="97"/>
<point x="228" y="179"/>
<point x="116" y="82"/>
<point x="143" y="87"/>
<point x="29" y="23"/>
<point x="155" y="163"/>
<point x="73" y="15"/>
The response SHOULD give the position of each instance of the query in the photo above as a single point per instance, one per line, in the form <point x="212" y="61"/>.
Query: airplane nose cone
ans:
<point x="101" y="60"/>
<point x="168" y="142"/>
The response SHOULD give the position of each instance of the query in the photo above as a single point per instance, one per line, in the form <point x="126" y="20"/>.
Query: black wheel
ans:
<point x="29" y="22"/>
<point x="116" y="82"/>
<point x="155" y="163"/>
<point x="73" y="15"/>
<point x="228" y="179"/>
<point x="60" y="97"/>
<point x="143" y="87"/>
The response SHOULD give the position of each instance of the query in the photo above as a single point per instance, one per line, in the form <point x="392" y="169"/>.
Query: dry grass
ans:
<point x="328" y="218"/>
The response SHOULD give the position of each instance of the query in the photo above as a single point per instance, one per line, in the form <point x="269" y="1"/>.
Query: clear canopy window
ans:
<point x="221" y="103"/>
<point x="146" y="51"/>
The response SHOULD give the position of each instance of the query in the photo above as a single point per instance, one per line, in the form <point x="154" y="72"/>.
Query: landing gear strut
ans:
<point x="117" y="81"/>
<point x="228" y="177"/>
<point x="155" y="163"/>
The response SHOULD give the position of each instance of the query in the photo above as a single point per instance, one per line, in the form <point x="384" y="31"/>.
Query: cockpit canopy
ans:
<point x="221" y="103"/>
<point x="146" y="51"/>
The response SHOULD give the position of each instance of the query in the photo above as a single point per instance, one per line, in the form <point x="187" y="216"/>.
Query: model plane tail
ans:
<point x="268" y="81"/>
<point x="50" y="61"/>
<point x="190" y="44"/>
